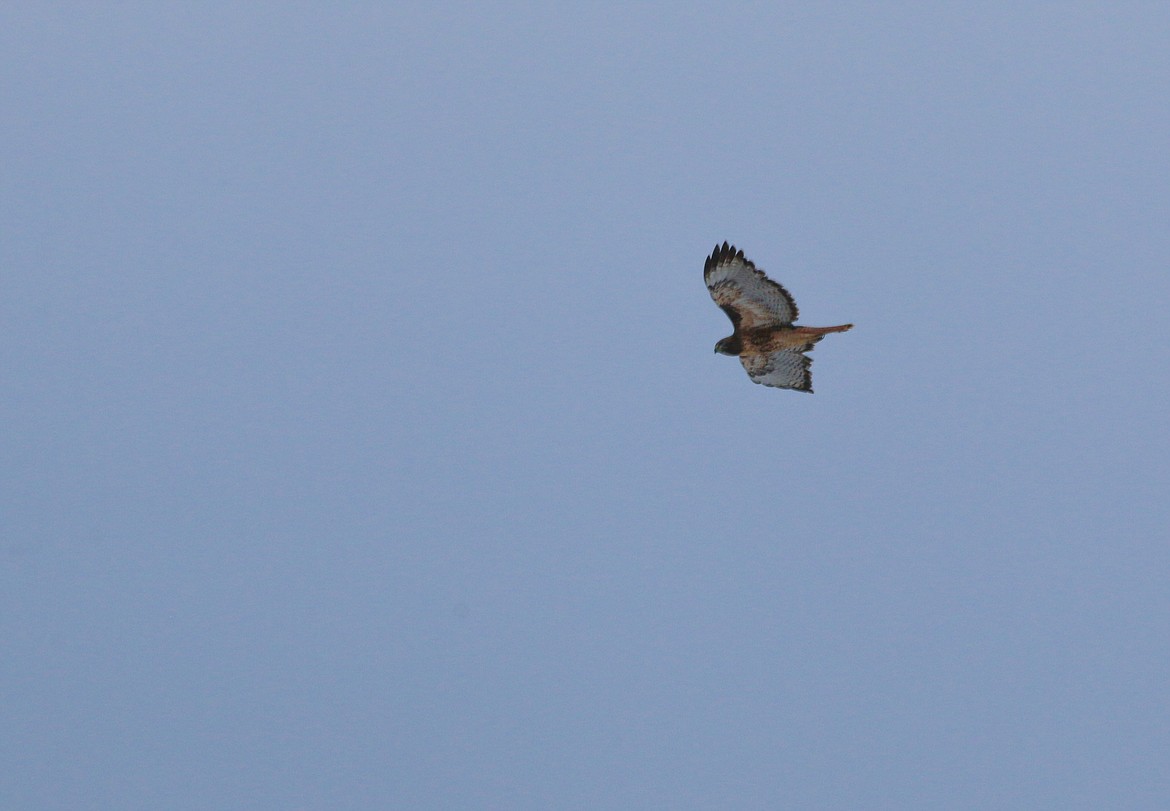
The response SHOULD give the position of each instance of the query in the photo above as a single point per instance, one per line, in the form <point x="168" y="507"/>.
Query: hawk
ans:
<point x="769" y="346"/>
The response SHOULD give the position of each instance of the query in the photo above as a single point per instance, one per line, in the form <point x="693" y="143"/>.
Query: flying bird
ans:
<point x="769" y="346"/>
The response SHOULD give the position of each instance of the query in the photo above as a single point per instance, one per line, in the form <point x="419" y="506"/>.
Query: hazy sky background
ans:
<point x="364" y="447"/>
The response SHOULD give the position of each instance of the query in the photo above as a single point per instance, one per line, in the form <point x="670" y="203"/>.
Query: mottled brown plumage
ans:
<point x="762" y="312"/>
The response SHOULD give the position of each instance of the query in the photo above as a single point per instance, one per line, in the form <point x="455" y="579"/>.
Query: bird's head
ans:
<point x="726" y="346"/>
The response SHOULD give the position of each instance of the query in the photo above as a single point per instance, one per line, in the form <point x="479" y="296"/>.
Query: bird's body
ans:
<point x="770" y="347"/>
<point x="766" y="340"/>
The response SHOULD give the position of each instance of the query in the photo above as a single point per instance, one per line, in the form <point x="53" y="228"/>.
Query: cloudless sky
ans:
<point x="363" y="444"/>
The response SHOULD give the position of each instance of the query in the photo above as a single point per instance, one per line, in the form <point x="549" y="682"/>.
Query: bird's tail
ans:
<point x="818" y="331"/>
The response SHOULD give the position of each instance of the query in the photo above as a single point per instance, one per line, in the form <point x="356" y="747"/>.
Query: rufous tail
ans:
<point x="823" y="330"/>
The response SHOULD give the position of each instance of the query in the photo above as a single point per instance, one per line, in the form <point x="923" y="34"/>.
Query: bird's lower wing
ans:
<point x="782" y="369"/>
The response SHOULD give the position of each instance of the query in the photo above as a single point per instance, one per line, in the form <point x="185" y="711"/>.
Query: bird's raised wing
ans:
<point x="749" y="298"/>
<point x="782" y="369"/>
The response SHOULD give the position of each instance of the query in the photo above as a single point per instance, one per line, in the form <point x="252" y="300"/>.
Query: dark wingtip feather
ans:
<point x="721" y="254"/>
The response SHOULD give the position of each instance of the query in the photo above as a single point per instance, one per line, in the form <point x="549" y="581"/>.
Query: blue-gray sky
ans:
<point x="363" y="445"/>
